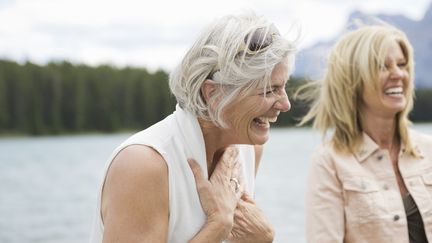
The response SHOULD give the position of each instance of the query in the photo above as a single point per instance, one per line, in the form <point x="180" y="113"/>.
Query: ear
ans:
<point x="208" y="88"/>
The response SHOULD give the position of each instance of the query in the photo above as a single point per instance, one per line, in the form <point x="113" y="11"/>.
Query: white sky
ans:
<point x="155" y="33"/>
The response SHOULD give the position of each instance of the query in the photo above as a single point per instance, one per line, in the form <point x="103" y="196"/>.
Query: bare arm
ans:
<point x="135" y="197"/>
<point x="135" y="202"/>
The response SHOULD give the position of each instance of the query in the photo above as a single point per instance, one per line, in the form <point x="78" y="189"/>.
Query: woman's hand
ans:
<point x="218" y="196"/>
<point x="250" y="225"/>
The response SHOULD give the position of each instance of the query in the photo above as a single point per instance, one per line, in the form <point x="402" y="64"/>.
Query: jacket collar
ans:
<point x="414" y="140"/>
<point x="366" y="148"/>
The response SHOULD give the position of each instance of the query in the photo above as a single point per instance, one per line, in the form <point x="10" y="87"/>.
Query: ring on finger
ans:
<point x="236" y="182"/>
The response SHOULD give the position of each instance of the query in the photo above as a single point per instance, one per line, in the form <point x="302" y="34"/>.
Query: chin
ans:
<point x="400" y="108"/>
<point x="260" y="140"/>
<point x="396" y="108"/>
<point x="393" y="112"/>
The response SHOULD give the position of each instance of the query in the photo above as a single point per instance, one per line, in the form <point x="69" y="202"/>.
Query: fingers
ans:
<point x="235" y="171"/>
<point x="228" y="164"/>
<point x="228" y="159"/>
<point x="240" y="177"/>
<point x="235" y="184"/>
<point x="247" y="198"/>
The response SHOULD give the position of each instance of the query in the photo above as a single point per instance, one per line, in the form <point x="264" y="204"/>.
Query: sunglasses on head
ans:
<point x="258" y="40"/>
<point x="255" y="42"/>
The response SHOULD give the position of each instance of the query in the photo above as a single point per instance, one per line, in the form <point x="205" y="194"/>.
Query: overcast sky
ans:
<point x="155" y="33"/>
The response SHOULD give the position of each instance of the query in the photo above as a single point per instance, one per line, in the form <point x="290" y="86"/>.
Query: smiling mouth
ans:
<point x="265" y="121"/>
<point x="395" y="91"/>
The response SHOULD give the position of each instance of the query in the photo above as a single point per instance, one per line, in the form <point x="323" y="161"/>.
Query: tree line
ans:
<point x="67" y="98"/>
<point x="61" y="97"/>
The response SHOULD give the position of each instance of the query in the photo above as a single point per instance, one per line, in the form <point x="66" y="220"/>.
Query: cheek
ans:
<point x="407" y="78"/>
<point x="243" y="113"/>
<point x="370" y="97"/>
<point x="242" y="119"/>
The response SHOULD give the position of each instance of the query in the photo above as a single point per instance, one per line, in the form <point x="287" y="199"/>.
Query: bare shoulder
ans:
<point x="136" y="166"/>
<point x="137" y="159"/>
<point x="135" y="195"/>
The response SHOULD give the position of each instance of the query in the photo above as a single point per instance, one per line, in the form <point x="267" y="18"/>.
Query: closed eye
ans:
<point x="275" y="90"/>
<point x="402" y="64"/>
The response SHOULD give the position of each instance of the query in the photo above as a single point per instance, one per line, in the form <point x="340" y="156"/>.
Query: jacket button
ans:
<point x="380" y="157"/>
<point x="396" y="218"/>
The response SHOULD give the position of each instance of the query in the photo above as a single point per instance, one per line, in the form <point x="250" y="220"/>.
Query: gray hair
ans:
<point x="217" y="55"/>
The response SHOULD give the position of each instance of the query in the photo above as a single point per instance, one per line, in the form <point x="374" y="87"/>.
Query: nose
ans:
<point x="397" y="73"/>
<point x="282" y="103"/>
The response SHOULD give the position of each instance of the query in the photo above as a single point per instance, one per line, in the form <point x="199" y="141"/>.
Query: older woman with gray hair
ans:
<point x="190" y="177"/>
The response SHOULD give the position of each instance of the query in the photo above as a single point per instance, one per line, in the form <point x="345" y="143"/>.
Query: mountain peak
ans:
<point x="398" y="20"/>
<point x="311" y="61"/>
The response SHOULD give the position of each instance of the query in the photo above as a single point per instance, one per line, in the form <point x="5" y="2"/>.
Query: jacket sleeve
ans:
<point x="325" y="221"/>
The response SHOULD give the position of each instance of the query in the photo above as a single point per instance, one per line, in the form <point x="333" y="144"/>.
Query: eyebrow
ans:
<point x="270" y="87"/>
<point x="403" y="59"/>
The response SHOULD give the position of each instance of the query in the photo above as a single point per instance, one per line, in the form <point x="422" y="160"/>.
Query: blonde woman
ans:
<point x="371" y="179"/>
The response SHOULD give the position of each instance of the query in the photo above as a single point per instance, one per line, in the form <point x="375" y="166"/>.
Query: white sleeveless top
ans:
<point x="177" y="138"/>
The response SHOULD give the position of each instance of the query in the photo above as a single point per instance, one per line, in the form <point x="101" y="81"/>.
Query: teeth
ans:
<point x="274" y="119"/>
<point x="395" y="90"/>
<point x="267" y="119"/>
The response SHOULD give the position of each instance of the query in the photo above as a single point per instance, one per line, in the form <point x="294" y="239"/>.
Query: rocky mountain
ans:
<point x="312" y="61"/>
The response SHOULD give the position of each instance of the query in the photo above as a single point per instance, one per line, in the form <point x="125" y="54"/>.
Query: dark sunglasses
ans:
<point x="258" y="40"/>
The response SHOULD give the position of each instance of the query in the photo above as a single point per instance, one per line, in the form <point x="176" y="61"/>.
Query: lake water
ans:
<point x="48" y="185"/>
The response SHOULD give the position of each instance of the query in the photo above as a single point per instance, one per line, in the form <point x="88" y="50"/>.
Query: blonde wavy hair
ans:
<point x="354" y="63"/>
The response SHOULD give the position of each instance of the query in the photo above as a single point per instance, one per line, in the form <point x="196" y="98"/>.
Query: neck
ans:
<point x="215" y="143"/>
<point x="381" y="130"/>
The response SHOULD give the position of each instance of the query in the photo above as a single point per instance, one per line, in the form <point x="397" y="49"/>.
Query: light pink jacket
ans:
<point x="355" y="198"/>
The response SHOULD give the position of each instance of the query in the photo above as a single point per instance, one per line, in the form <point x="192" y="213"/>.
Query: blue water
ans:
<point x="48" y="185"/>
